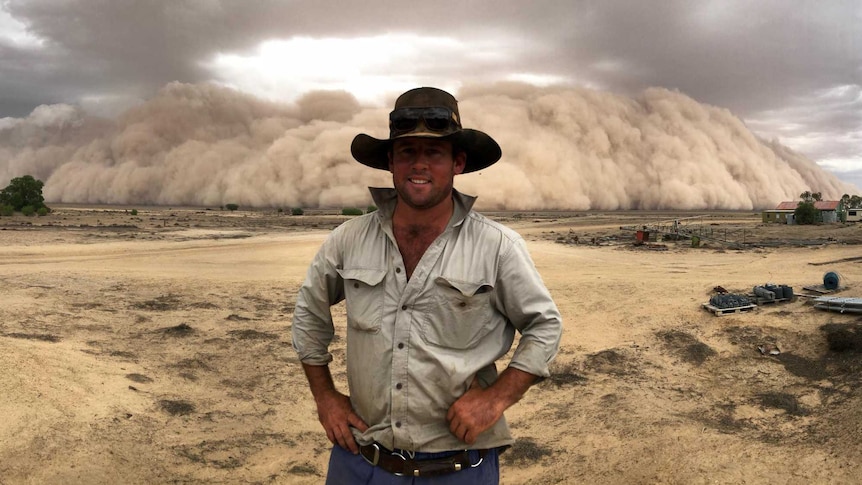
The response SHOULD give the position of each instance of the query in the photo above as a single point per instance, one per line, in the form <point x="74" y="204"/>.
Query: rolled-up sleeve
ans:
<point x="312" y="328"/>
<point x="527" y="303"/>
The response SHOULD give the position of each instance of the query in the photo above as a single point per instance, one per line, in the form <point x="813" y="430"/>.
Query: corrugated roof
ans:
<point x="824" y="205"/>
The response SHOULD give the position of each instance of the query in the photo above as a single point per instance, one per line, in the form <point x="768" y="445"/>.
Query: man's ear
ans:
<point x="460" y="162"/>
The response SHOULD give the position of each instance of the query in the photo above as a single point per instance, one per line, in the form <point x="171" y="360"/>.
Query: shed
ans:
<point x="783" y="213"/>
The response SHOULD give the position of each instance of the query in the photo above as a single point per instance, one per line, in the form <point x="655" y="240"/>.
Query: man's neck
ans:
<point x="436" y="217"/>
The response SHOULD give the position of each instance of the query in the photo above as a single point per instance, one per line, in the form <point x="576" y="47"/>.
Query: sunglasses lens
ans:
<point x="404" y="124"/>
<point x="406" y="119"/>
<point x="436" y="124"/>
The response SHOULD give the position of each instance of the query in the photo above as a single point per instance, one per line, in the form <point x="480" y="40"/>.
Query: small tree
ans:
<point x="23" y="191"/>
<point x="231" y="207"/>
<point x="296" y="211"/>
<point x="806" y="213"/>
<point x="7" y="210"/>
<point x="809" y="196"/>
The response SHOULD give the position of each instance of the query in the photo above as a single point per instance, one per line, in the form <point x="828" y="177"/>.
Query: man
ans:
<point x="434" y="294"/>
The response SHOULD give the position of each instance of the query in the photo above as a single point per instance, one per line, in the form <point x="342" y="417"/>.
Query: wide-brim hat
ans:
<point x="427" y="113"/>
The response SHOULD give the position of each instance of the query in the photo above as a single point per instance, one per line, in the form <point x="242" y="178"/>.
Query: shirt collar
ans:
<point x="385" y="199"/>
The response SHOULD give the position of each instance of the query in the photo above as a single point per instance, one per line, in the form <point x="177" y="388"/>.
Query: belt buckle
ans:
<point x="399" y="455"/>
<point x="376" y="455"/>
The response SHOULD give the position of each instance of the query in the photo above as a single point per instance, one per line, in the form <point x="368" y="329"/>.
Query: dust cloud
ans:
<point x="563" y="148"/>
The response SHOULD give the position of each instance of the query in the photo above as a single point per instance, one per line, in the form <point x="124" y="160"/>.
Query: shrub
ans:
<point x="806" y="213"/>
<point x="296" y="211"/>
<point x="231" y="207"/>
<point x="134" y="212"/>
<point x="43" y="211"/>
<point x="370" y="209"/>
<point x="23" y="191"/>
<point x="7" y="210"/>
<point x="28" y="210"/>
<point x="279" y="210"/>
<point x="351" y="211"/>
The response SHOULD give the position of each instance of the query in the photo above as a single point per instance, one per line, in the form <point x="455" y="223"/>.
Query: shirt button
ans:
<point x="404" y="307"/>
<point x="398" y="386"/>
<point x="356" y="285"/>
<point x="400" y="345"/>
<point x="397" y="424"/>
<point x="397" y="270"/>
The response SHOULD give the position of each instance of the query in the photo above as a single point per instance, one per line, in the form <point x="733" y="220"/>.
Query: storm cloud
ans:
<point x="563" y="148"/>
<point x="791" y="70"/>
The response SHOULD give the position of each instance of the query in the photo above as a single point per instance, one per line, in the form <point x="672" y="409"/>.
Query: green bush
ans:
<point x="231" y="207"/>
<point x="42" y="211"/>
<point x="370" y="209"/>
<point x="351" y="211"/>
<point x="28" y="210"/>
<point x="23" y="191"/>
<point x="296" y="211"/>
<point x="7" y="210"/>
<point x="134" y="212"/>
<point x="806" y="213"/>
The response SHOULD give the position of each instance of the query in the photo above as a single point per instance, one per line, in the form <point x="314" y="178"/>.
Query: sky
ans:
<point x="790" y="72"/>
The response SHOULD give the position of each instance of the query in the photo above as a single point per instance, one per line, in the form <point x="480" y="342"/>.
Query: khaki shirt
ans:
<point x="414" y="347"/>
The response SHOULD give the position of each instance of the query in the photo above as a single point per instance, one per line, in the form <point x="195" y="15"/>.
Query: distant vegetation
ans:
<point x="351" y="211"/>
<point x="806" y="212"/>
<point x="371" y="208"/>
<point x="851" y="201"/>
<point x="231" y="207"/>
<point x="23" y="193"/>
<point x="296" y="211"/>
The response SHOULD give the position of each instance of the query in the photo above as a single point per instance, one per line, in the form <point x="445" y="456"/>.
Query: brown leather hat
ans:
<point x="427" y="113"/>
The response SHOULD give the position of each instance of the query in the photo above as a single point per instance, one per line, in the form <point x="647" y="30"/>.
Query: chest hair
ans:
<point x="413" y="240"/>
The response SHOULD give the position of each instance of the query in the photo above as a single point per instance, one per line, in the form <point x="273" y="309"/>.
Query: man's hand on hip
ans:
<point x="336" y="414"/>
<point x="478" y="409"/>
<point x="334" y="410"/>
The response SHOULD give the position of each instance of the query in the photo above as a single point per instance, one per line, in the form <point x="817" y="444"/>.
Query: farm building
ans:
<point x="830" y="211"/>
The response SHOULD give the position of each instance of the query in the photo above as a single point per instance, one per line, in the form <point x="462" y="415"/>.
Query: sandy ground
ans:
<point x="156" y="349"/>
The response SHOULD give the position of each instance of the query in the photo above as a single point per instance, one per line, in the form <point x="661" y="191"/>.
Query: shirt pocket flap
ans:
<point x="370" y="277"/>
<point x="364" y="294"/>
<point x="466" y="288"/>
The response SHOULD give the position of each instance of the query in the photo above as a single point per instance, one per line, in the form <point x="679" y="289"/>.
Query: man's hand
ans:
<point x="478" y="409"/>
<point x="337" y="416"/>
<point x="334" y="410"/>
<point x="473" y="412"/>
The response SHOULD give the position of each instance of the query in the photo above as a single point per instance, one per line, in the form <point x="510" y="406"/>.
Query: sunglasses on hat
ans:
<point x="405" y="120"/>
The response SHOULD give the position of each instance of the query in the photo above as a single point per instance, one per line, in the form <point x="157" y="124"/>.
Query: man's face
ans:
<point x="423" y="170"/>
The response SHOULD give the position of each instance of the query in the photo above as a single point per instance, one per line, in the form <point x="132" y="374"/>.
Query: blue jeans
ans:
<point x="345" y="468"/>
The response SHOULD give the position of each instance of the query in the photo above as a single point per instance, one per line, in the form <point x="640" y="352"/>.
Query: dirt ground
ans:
<point x="155" y="348"/>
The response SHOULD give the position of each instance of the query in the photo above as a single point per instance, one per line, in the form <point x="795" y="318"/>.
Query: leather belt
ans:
<point x="401" y="465"/>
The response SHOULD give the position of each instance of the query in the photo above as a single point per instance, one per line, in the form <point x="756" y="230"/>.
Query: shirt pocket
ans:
<point x="363" y="292"/>
<point x="462" y="313"/>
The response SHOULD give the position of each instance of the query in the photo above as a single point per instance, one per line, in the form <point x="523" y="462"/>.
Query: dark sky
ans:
<point x="792" y="70"/>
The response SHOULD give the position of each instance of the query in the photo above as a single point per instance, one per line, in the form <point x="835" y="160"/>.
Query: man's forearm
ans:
<point x="510" y="387"/>
<point x="319" y="380"/>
